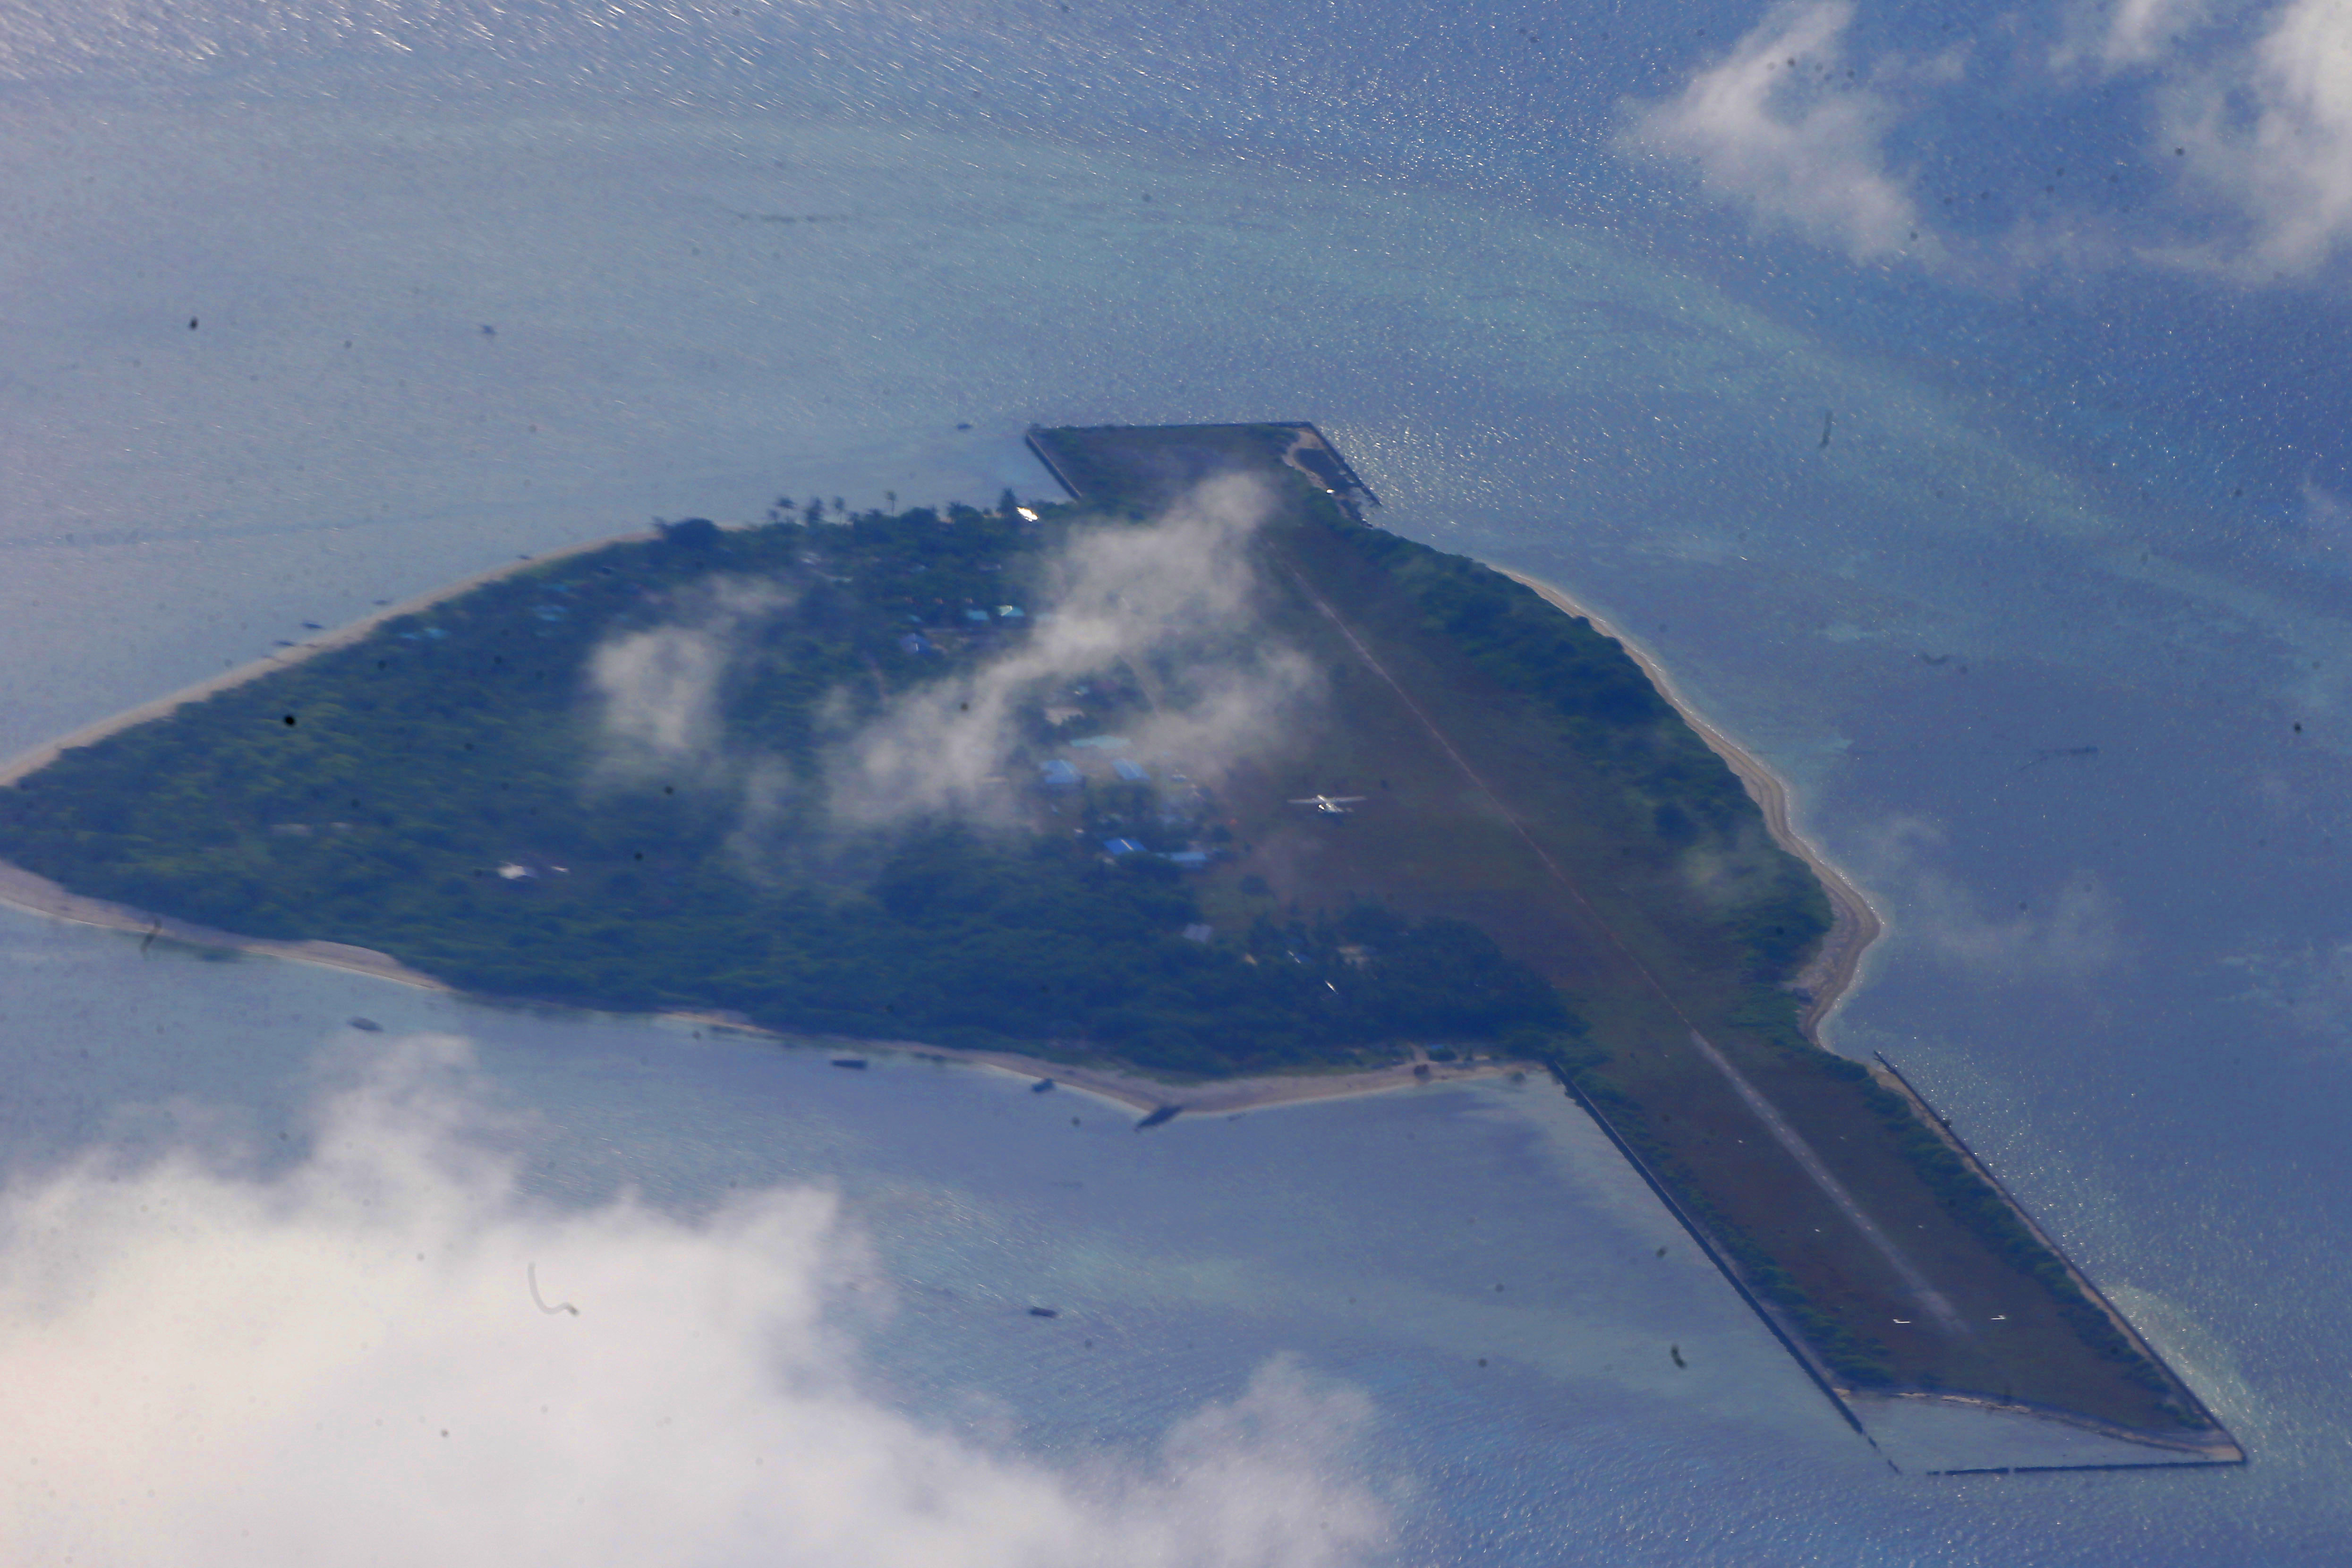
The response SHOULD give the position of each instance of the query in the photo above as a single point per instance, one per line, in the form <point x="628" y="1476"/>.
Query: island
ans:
<point x="1193" y="779"/>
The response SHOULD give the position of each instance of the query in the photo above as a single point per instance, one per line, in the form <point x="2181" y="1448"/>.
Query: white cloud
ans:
<point x="2072" y="930"/>
<point x="2327" y="522"/>
<point x="2267" y="134"/>
<point x="2247" y="105"/>
<point x="1178" y="596"/>
<point x="2128" y="33"/>
<point x="1175" y="600"/>
<point x="2310" y="984"/>
<point x="658" y="690"/>
<point x="2139" y="30"/>
<point x="1781" y="127"/>
<point x="345" y="1364"/>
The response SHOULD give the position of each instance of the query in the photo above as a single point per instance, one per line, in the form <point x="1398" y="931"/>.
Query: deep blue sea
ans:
<point x="2025" y="565"/>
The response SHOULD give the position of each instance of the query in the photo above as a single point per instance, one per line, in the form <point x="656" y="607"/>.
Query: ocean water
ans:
<point x="1536" y="1422"/>
<point x="2077" y="723"/>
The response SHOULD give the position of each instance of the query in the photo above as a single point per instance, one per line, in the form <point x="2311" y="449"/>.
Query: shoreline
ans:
<point x="36" y="895"/>
<point x="42" y="755"/>
<point x="1830" y="976"/>
<point x="1232" y="1096"/>
<point x="1134" y="1089"/>
<point x="1826" y="981"/>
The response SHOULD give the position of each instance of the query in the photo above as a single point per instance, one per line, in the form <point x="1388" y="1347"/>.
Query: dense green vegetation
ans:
<point x="443" y="791"/>
<point x="1612" y="715"/>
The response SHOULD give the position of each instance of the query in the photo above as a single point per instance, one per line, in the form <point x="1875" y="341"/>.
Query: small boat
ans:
<point x="367" y="1025"/>
<point x="1163" y="1113"/>
<point x="1044" y="1311"/>
<point x="857" y="1062"/>
<point x="1042" y="1086"/>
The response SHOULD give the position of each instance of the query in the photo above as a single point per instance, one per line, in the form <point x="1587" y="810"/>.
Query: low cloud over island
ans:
<point x="1176" y="600"/>
<point x="1177" y="597"/>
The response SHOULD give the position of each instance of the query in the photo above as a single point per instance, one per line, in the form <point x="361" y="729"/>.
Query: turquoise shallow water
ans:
<point x="2121" y="972"/>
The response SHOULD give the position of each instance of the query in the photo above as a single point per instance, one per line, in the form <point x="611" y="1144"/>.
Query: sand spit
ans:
<point x="1234" y="1095"/>
<point x="37" y="895"/>
<point x="40" y="895"/>
<point x="1137" y="1091"/>
<point x="1828" y="979"/>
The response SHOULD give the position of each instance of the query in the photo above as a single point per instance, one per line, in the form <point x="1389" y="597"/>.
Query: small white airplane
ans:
<point x="1329" y="805"/>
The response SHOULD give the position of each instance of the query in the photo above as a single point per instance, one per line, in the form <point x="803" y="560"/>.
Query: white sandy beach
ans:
<point x="41" y="756"/>
<point x="1229" y="1096"/>
<point x="39" y="896"/>
<point x="1139" y="1090"/>
<point x="1829" y="977"/>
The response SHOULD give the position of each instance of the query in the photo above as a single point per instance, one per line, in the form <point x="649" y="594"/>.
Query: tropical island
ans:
<point x="1197" y="775"/>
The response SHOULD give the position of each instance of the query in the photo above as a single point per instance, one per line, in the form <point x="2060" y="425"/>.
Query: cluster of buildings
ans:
<point x="1064" y="777"/>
